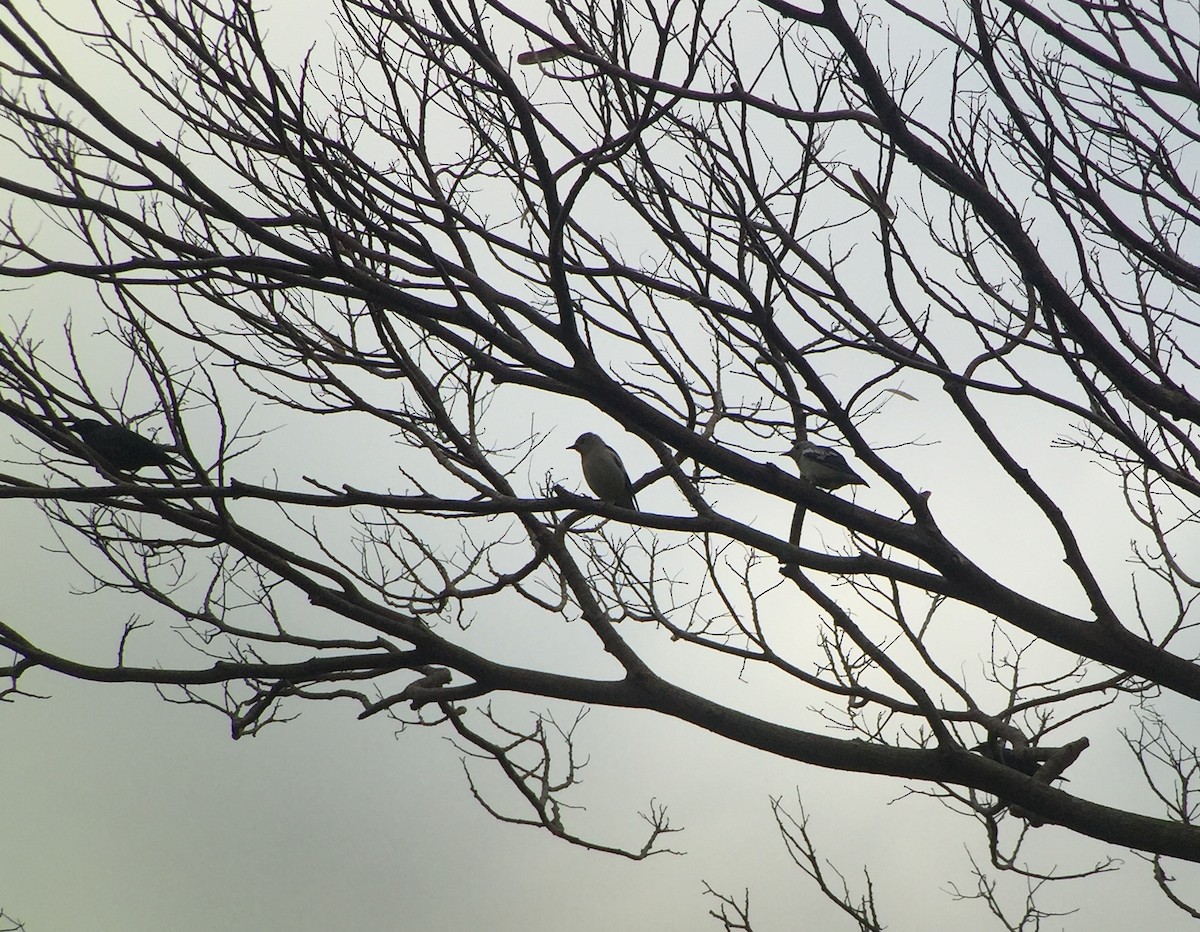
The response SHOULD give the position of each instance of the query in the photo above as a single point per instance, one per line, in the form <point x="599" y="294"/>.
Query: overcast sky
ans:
<point x="123" y="813"/>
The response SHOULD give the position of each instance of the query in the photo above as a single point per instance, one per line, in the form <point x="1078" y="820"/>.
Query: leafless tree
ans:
<point x="10" y="924"/>
<point x="954" y="246"/>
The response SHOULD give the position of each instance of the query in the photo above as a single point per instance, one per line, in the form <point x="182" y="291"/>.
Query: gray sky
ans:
<point x="132" y="815"/>
<point x="127" y="814"/>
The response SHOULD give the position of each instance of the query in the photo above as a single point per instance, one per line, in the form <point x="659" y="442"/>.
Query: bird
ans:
<point x="604" y="471"/>
<point x="824" y="467"/>
<point x="1008" y="757"/>
<point x="119" y="448"/>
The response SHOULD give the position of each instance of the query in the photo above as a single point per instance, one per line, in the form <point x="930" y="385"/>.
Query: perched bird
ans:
<point x="824" y="467"/>
<point x="604" y="471"/>
<point x="553" y="53"/>
<point x="120" y="448"/>
<point x="1005" y="755"/>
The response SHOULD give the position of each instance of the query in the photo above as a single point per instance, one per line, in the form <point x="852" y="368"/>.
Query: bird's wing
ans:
<point x="616" y="458"/>
<point x="826" y="456"/>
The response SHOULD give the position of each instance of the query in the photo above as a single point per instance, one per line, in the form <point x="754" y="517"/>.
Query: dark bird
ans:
<point x="119" y="448"/>
<point x="604" y="471"/>
<point x="1008" y="757"/>
<point x="824" y="467"/>
<point x="542" y="56"/>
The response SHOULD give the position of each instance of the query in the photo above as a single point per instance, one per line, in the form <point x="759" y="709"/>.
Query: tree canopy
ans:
<point x="369" y="288"/>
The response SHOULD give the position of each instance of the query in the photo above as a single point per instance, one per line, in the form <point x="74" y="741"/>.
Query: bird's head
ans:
<point x="585" y="442"/>
<point x="83" y="425"/>
<point x="798" y="449"/>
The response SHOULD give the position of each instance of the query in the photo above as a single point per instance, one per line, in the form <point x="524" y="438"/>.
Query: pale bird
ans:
<point x="604" y="471"/>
